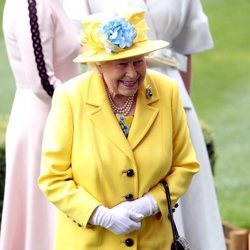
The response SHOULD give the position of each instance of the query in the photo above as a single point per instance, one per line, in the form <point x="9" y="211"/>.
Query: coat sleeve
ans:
<point x="195" y="35"/>
<point x="56" y="178"/>
<point x="184" y="162"/>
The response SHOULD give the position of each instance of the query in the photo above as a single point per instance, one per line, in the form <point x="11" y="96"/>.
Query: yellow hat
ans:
<point x="119" y="36"/>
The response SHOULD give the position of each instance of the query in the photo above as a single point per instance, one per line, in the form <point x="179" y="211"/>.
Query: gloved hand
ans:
<point x="117" y="219"/>
<point x="145" y="205"/>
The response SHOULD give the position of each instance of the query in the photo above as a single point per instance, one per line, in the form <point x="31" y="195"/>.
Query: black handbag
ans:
<point x="179" y="243"/>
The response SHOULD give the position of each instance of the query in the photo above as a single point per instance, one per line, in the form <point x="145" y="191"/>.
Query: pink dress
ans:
<point x="28" y="218"/>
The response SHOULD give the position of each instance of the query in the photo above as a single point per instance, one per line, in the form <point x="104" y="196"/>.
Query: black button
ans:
<point x="129" y="242"/>
<point x="129" y="197"/>
<point x="176" y="205"/>
<point x="130" y="173"/>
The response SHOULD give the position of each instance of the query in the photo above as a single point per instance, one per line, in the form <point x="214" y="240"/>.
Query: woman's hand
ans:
<point x="145" y="205"/>
<point x="118" y="220"/>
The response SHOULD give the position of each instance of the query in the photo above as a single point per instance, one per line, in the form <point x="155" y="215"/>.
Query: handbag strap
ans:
<point x="37" y="47"/>
<point x="170" y="212"/>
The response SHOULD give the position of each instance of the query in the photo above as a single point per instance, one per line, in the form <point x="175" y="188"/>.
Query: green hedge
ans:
<point x="209" y="140"/>
<point x="207" y="131"/>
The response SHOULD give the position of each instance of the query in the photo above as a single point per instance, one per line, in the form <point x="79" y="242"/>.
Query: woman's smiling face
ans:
<point x="123" y="77"/>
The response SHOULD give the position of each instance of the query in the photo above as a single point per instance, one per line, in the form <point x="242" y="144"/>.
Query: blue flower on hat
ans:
<point x="119" y="32"/>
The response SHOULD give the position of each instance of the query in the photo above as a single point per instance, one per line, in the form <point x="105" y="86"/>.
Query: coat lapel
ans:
<point x="101" y="114"/>
<point x="145" y="114"/>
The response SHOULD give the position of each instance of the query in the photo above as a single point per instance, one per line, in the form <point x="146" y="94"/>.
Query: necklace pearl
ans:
<point x="125" y="108"/>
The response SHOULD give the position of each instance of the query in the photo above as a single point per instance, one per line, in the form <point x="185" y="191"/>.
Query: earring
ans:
<point x="98" y="67"/>
<point x="149" y="92"/>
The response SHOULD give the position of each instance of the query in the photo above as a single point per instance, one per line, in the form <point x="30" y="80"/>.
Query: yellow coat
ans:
<point x="86" y="157"/>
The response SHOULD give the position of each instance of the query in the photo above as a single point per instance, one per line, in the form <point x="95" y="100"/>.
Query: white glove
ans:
<point x="117" y="219"/>
<point x="145" y="205"/>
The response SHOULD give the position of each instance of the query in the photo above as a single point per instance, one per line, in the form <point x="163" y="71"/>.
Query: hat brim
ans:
<point x="137" y="49"/>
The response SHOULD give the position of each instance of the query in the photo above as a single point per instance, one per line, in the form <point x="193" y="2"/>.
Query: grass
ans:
<point x="6" y="79"/>
<point x="6" y="82"/>
<point x="221" y="95"/>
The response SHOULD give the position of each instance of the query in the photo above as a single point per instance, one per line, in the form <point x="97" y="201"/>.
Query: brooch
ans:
<point x="149" y="92"/>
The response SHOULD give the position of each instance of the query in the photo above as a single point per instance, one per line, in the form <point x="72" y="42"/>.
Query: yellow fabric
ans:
<point x="93" y="41"/>
<point x="91" y="36"/>
<point x="85" y="157"/>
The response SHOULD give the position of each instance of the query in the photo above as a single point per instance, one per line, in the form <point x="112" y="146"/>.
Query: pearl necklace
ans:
<point x="126" y="108"/>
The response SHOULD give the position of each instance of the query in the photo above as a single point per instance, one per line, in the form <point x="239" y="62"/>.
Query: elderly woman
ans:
<point x="113" y="134"/>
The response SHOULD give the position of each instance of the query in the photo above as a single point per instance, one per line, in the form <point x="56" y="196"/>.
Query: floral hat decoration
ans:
<point x="108" y="37"/>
